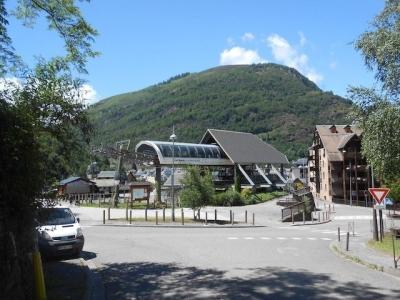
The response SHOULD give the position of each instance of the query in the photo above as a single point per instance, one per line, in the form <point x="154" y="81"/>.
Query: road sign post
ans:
<point x="379" y="195"/>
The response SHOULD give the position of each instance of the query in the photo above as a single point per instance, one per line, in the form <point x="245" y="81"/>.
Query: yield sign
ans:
<point x="379" y="193"/>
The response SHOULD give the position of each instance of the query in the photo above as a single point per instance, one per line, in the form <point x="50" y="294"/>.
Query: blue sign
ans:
<point x="388" y="201"/>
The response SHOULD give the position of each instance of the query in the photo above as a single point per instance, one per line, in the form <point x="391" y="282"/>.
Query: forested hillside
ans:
<point x="273" y="101"/>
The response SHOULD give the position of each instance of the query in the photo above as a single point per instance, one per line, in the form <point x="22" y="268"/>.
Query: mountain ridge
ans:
<point x="275" y="102"/>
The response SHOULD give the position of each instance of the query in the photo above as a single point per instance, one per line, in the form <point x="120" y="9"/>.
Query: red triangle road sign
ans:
<point x="379" y="193"/>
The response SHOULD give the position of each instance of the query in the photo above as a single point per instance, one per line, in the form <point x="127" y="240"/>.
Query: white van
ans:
<point x="59" y="232"/>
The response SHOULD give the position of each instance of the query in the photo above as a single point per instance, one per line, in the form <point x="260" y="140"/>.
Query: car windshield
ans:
<point x="56" y="216"/>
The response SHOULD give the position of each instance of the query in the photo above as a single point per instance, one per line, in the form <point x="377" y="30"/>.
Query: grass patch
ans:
<point x="263" y="197"/>
<point x="135" y="205"/>
<point x="168" y="220"/>
<point x="386" y="246"/>
<point x="356" y="259"/>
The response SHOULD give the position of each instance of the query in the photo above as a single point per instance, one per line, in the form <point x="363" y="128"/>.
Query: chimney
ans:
<point x="347" y="129"/>
<point x="333" y="129"/>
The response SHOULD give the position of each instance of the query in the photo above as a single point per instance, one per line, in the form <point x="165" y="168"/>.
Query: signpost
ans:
<point x="379" y="194"/>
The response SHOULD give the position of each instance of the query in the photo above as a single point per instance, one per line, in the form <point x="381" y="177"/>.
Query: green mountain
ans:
<point x="275" y="102"/>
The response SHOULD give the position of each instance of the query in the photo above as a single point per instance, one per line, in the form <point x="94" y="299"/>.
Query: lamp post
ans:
<point x="173" y="138"/>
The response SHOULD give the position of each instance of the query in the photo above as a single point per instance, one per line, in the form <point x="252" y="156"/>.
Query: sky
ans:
<point x="145" y="42"/>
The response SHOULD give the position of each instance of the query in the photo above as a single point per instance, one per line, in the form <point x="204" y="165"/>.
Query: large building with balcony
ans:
<point x="337" y="171"/>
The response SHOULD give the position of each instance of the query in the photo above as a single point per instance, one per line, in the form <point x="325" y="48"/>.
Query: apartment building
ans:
<point x="337" y="171"/>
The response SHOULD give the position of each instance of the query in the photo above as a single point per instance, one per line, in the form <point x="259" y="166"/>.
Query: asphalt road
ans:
<point x="277" y="261"/>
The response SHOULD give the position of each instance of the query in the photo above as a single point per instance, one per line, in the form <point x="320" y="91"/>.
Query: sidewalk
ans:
<point x="361" y="253"/>
<point x="65" y="279"/>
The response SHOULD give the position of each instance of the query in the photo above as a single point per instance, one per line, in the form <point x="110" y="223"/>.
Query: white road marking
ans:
<point x="311" y="238"/>
<point x="281" y="238"/>
<point x="326" y="239"/>
<point x="232" y="238"/>
<point x="265" y="238"/>
<point x="296" y="238"/>
<point x="249" y="238"/>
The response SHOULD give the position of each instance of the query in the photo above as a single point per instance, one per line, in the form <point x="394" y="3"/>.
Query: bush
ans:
<point x="228" y="198"/>
<point x="246" y="193"/>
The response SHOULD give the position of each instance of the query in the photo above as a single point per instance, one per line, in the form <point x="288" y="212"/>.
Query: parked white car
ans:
<point x="59" y="232"/>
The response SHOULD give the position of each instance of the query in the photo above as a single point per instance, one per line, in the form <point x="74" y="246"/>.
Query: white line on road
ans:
<point x="311" y="238"/>
<point x="326" y="239"/>
<point x="281" y="238"/>
<point x="265" y="238"/>
<point x="232" y="238"/>
<point x="296" y="238"/>
<point x="249" y="238"/>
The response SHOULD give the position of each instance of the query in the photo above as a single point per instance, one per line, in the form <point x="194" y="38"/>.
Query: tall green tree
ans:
<point x="377" y="110"/>
<point x="198" y="188"/>
<point x="41" y="117"/>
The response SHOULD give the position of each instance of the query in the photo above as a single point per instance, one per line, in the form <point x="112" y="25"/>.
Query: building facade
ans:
<point x="337" y="171"/>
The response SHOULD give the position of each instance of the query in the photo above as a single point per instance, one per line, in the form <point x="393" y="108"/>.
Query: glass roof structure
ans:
<point x="184" y="153"/>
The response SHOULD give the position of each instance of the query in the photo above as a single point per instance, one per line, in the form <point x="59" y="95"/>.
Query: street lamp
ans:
<point x="173" y="138"/>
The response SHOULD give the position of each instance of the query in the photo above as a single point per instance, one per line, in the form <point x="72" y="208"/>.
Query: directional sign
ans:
<point x="379" y="193"/>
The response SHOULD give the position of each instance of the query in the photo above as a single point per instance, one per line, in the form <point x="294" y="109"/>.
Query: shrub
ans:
<point x="228" y="198"/>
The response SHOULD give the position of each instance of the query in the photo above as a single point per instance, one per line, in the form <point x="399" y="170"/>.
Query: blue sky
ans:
<point x="146" y="42"/>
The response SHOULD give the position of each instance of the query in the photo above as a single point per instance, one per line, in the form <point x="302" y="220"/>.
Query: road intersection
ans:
<point x="270" y="261"/>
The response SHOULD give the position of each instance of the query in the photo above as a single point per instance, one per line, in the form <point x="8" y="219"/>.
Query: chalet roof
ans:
<point x="72" y="179"/>
<point x="106" y="174"/>
<point x="178" y="176"/>
<point x="245" y="148"/>
<point x="334" y="142"/>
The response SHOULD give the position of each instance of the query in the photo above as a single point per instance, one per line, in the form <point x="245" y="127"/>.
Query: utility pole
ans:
<point x="120" y="146"/>
<point x="374" y="217"/>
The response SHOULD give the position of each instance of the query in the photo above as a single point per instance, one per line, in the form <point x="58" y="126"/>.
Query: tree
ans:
<point x="41" y="117"/>
<point x="198" y="188"/>
<point x="377" y="111"/>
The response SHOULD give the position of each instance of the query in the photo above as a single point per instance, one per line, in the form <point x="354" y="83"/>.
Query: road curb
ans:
<point x="310" y="224"/>
<point x="94" y="285"/>
<point x="336" y="248"/>
<point x="182" y="226"/>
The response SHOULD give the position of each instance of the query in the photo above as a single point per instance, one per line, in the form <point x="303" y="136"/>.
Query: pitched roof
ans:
<point x="106" y="174"/>
<point x="333" y="142"/>
<point x="72" y="179"/>
<point x="245" y="148"/>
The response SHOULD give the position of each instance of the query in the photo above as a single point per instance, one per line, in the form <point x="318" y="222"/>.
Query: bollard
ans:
<point x="206" y="218"/>
<point x="215" y="216"/>
<point x="182" y="217"/>
<point x="104" y="216"/>
<point x="163" y="214"/>
<point x="130" y="216"/>
<point x="145" y="214"/>
<point x="245" y="216"/>
<point x="253" y="219"/>
<point x="338" y="234"/>
<point x="347" y="241"/>
<point x="304" y="217"/>
<point x="109" y="218"/>
<point x="319" y="217"/>
<point x="233" y="217"/>
<point x="156" y="217"/>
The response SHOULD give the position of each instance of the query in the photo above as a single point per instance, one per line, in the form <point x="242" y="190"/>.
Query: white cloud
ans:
<point x="240" y="56"/>
<point x="248" y="36"/>
<point x="88" y="94"/>
<point x="284" y="53"/>
<point x="303" y="39"/>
